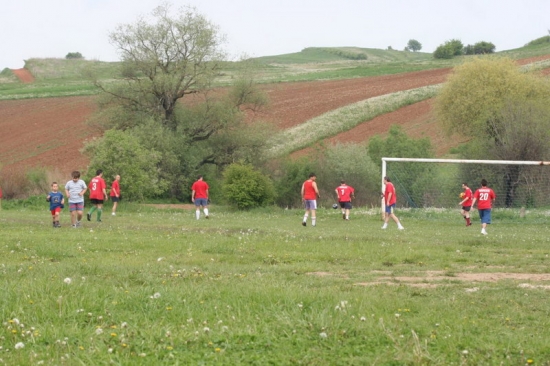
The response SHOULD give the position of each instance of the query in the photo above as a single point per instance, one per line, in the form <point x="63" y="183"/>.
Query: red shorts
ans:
<point x="55" y="210"/>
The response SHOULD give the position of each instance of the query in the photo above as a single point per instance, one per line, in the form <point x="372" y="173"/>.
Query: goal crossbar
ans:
<point x="458" y="161"/>
<point x="386" y="160"/>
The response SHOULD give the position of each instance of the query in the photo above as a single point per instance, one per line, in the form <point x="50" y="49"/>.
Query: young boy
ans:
<point x="74" y="190"/>
<point x="57" y="201"/>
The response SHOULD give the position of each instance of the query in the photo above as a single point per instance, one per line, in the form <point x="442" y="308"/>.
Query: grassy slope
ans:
<point x="60" y="77"/>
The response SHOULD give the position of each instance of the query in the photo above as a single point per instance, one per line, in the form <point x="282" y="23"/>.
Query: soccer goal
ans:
<point x="422" y="183"/>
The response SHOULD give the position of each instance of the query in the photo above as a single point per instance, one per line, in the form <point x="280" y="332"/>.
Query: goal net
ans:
<point x="421" y="183"/>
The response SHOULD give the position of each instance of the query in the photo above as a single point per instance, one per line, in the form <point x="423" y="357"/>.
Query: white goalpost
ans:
<point x="423" y="183"/>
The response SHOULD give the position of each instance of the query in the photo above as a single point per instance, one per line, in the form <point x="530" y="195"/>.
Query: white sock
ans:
<point x="313" y="221"/>
<point x="205" y="212"/>
<point x="198" y="214"/>
<point x="305" y="218"/>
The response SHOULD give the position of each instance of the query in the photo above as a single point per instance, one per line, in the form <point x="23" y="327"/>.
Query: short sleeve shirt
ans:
<point x="201" y="188"/>
<point x="74" y="188"/>
<point x="390" y="189"/>
<point x="344" y="193"/>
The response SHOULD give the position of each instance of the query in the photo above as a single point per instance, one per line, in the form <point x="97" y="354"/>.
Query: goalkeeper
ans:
<point x="466" y="203"/>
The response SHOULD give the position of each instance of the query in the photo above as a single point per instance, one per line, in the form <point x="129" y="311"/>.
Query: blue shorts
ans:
<point x="201" y="202"/>
<point x="389" y="209"/>
<point x="76" y="206"/>
<point x="485" y="216"/>
<point x="346" y="205"/>
<point x="310" y="204"/>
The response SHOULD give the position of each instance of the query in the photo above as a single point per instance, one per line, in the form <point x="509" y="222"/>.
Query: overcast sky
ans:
<point x="53" y="28"/>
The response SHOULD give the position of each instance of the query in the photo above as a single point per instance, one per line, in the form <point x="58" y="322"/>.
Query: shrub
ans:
<point x="246" y="188"/>
<point x="74" y="56"/>
<point x="289" y="178"/>
<point x="449" y="49"/>
<point x="19" y="184"/>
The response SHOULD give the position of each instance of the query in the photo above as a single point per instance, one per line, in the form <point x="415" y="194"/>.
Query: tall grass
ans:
<point x="344" y="119"/>
<point x="159" y="287"/>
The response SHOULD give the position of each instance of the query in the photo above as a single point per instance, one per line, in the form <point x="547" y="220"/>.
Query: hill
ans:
<point x="49" y="132"/>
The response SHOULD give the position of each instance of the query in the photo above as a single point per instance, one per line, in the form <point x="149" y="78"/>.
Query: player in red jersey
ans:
<point x="484" y="197"/>
<point x="345" y="193"/>
<point x="310" y="193"/>
<point x="115" y="193"/>
<point x="466" y="204"/>
<point x="389" y="200"/>
<point x="98" y="194"/>
<point x="199" y="196"/>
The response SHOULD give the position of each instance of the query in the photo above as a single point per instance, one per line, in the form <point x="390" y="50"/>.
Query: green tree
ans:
<point x="246" y="188"/>
<point x="414" y="45"/>
<point x="74" y="55"/>
<point x="409" y="179"/>
<point x="165" y="60"/>
<point x="121" y="153"/>
<point x="449" y="49"/>
<point x="503" y="111"/>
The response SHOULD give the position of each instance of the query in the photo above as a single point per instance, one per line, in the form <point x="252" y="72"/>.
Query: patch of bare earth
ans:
<point x="432" y="279"/>
<point x="49" y="132"/>
<point x="23" y="75"/>
<point x="45" y="132"/>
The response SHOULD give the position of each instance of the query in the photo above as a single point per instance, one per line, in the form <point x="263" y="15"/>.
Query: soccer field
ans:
<point x="155" y="286"/>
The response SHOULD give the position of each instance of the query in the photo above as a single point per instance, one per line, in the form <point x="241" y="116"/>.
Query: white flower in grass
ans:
<point x="67" y="281"/>
<point x="110" y="350"/>
<point x="142" y="354"/>
<point x="124" y="325"/>
<point x="397" y="315"/>
<point x="206" y="329"/>
<point x="156" y="295"/>
<point x="323" y="335"/>
<point x="465" y="352"/>
<point x="160" y="259"/>
<point x="99" y="331"/>
<point x="15" y="321"/>
<point x="190" y="320"/>
<point x="19" y="345"/>
<point x="363" y="318"/>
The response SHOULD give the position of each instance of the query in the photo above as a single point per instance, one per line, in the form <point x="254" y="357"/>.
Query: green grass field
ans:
<point x="61" y="77"/>
<point x="155" y="286"/>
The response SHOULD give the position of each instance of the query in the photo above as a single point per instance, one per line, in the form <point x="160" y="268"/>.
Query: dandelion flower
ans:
<point x="156" y="295"/>
<point x="363" y="319"/>
<point x="465" y="352"/>
<point x="206" y="329"/>
<point x="98" y="331"/>
<point x="19" y="345"/>
<point x="67" y="281"/>
<point x="323" y="335"/>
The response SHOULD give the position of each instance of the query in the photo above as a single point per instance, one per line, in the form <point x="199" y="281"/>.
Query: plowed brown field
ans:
<point x="49" y="132"/>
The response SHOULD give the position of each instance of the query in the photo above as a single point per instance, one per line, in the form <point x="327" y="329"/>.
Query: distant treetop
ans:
<point x="74" y="55"/>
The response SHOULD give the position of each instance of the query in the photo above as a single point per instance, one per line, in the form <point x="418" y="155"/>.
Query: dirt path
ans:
<point x="24" y="75"/>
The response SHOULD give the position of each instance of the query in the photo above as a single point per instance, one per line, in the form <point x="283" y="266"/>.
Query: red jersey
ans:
<point x="201" y="189"/>
<point x="390" y="189"/>
<point x="484" y="197"/>
<point x="97" y="186"/>
<point x="308" y="190"/>
<point x="115" y="189"/>
<point x="469" y="196"/>
<point x="344" y="193"/>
